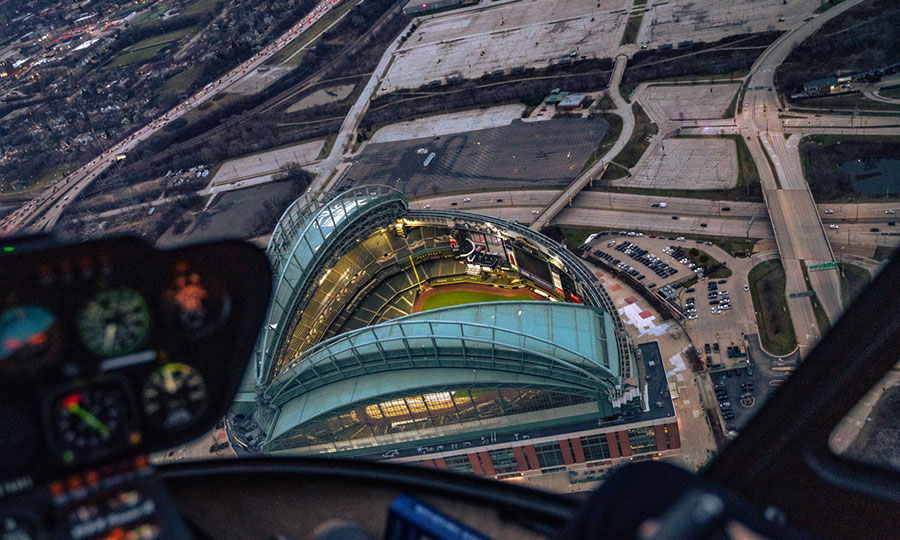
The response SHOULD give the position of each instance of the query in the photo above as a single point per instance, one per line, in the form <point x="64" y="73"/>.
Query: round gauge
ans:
<point x="115" y="321"/>
<point x="17" y="528"/>
<point x="24" y="329"/>
<point x="193" y="308"/>
<point x="174" y="396"/>
<point x="91" y="421"/>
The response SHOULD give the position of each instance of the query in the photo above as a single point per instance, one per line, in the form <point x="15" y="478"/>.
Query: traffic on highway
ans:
<point x="42" y="212"/>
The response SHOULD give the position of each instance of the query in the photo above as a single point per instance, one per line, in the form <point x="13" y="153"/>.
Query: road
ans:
<point x="799" y="232"/>
<point x="610" y="210"/>
<point x="596" y="170"/>
<point x="44" y="211"/>
<point x="343" y="143"/>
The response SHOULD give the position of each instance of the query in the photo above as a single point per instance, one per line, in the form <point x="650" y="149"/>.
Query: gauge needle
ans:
<point x="88" y="418"/>
<point x="169" y="381"/>
<point x="109" y="336"/>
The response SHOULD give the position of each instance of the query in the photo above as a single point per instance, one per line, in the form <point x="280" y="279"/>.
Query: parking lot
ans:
<point x="678" y="20"/>
<point x="686" y="163"/>
<point x="739" y="393"/>
<point x="528" y="33"/>
<point x="521" y="154"/>
<point x="643" y="255"/>
<point x="686" y="101"/>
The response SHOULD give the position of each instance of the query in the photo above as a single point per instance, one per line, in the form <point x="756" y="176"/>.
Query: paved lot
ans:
<point x="445" y="124"/>
<point x="232" y="215"/>
<point x="526" y="33"/>
<point x="686" y="163"/>
<point x="687" y="101"/>
<point x="267" y="163"/>
<point x="654" y="246"/>
<point x="679" y="20"/>
<point x="322" y="96"/>
<point x="546" y="154"/>
<point x="258" y="79"/>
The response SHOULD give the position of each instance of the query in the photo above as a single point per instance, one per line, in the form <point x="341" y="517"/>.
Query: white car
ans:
<point x="535" y="212"/>
<point x="829" y="212"/>
<point x="746" y="287"/>
<point x="888" y="212"/>
<point x="833" y="227"/>
<point x="467" y="199"/>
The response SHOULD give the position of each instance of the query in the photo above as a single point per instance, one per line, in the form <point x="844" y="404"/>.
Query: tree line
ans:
<point x="649" y="65"/>
<point x="863" y="38"/>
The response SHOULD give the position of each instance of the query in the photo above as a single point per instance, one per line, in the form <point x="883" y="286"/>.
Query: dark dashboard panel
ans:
<point x="111" y="348"/>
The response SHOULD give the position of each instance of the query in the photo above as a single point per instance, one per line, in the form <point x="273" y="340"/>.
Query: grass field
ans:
<point x="853" y="280"/>
<point x="181" y="81"/>
<point x="457" y="298"/>
<point x="776" y="332"/>
<point x="631" y="29"/>
<point x="201" y="6"/>
<point x="146" y="49"/>
<point x="638" y="143"/>
<point x="704" y="259"/>
<point x="848" y="101"/>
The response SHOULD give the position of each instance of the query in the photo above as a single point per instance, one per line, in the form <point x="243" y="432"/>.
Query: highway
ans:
<point x="624" y="211"/>
<point x="44" y="211"/>
<point x="799" y="231"/>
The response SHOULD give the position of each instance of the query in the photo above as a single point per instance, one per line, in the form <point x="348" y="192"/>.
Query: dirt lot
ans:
<point x="321" y="97"/>
<point x="266" y="163"/>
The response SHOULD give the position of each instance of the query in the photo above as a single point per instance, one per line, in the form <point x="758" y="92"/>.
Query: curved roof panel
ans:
<point x="562" y="345"/>
<point x="311" y="223"/>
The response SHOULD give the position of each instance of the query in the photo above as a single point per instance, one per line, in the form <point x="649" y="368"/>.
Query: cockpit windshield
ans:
<point x="529" y="240"/>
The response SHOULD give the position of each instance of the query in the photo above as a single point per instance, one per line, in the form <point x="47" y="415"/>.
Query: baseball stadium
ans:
<point x="445" y="338"/>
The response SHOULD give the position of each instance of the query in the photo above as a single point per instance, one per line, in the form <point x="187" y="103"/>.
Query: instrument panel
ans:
<point x="111" y="348"/>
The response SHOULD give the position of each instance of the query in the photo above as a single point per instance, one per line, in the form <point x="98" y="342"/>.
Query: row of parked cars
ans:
<point x="678" y="254"/>
<point x="649" y="260"/>
<point x="718" y="300"/>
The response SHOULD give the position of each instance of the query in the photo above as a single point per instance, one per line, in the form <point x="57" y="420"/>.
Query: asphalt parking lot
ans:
<point x="739" y="393"/>
<point x="522" y="154"/>
<point x="615" y="246"/>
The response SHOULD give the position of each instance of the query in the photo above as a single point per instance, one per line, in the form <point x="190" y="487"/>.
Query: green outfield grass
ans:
<point x="457" y="298"/>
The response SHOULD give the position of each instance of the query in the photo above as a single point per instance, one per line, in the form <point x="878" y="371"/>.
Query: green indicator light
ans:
<point x="8" y="249"/>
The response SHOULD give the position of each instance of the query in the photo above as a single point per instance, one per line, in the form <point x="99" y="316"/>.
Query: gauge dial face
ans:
<point x="175" y="396"/>
<point x="193" y="308"/>
<point x="115" y="321"/>
<point x="90" y="422"/>
<point x="24" y="329"/>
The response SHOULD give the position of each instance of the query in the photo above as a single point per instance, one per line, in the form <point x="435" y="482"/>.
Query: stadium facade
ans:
<point x="350" y="361"/>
